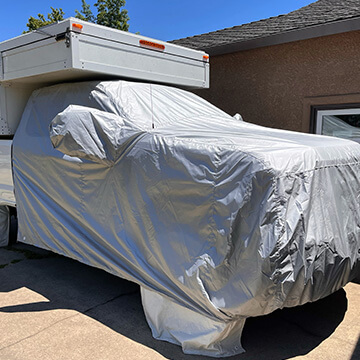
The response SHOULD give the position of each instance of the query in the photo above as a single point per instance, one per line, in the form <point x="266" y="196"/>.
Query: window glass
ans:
<point x="353" y="120"/>
<point x="343" y="123"/>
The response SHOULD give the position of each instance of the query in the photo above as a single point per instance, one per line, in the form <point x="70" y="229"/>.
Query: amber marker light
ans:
<point x="77" y="26"/>
<point x="206" y="57"/>
<point x="152" y="45"/>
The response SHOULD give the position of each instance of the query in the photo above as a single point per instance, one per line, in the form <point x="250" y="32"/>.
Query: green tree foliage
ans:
<point x="55" y="16"/>
<point x="109" y="13"/>
<point x="85" y="13"/>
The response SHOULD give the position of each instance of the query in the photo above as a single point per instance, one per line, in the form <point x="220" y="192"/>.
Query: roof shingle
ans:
<point x="317" y="13"/>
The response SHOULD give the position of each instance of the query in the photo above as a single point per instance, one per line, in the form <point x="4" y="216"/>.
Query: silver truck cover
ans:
<point x="217" y="219"/>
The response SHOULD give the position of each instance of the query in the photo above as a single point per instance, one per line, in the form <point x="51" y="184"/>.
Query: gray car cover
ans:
<point x="217" y="219"/>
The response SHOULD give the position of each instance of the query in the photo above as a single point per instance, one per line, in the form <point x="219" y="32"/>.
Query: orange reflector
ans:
<point x="77" y="26"/>
<point x="206" y="57"/>
<point x="152" y="45"/>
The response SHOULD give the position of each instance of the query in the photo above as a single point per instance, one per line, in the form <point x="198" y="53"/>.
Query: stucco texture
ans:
<point x="276" y="85"/>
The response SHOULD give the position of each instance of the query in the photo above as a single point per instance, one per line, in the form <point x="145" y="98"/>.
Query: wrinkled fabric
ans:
<point x="217" y="216"/>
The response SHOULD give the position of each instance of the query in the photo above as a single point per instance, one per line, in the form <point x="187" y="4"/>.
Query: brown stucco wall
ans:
<point x="276" y="85"/>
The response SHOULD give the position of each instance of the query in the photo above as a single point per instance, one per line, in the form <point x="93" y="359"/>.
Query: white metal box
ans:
<point x="74" y="50"/>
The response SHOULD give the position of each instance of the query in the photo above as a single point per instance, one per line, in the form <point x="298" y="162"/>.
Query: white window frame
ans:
<point x="320" y="113"/>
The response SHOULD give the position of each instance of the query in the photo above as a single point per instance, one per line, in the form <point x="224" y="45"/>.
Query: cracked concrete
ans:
<point x="55" y="308"/>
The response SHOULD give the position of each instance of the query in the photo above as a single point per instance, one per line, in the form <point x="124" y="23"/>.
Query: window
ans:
<point x="336" y="121"/>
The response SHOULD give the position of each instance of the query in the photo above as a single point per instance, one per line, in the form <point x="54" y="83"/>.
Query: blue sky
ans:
<point x="160" y="19"/>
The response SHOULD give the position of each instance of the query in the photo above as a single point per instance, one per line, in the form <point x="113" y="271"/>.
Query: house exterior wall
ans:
<point x="276" y="86"/>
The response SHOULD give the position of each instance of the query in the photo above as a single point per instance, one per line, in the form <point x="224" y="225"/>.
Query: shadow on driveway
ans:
<point x="356" y="353"/>
<point x="116" y="303"/>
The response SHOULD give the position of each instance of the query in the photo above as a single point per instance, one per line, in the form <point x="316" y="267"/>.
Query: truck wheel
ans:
<point x="13" y="226"/>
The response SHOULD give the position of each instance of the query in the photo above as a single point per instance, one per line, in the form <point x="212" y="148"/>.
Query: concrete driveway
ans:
<point x="52" y="307"/>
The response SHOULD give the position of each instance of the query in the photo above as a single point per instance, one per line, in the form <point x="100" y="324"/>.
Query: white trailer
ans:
<point x="75" y="50"/>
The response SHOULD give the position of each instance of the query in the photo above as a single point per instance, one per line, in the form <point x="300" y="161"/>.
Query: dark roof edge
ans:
<point x="331" y="28"/>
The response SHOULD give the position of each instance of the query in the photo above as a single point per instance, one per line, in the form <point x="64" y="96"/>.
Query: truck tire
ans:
<point x="13" y="226"/>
